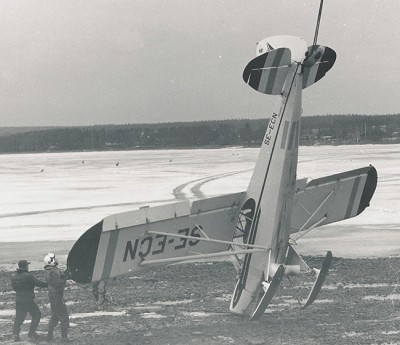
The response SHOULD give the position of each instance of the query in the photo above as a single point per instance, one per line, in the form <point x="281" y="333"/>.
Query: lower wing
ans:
<point x="333" y="198"/>
<point x="129" y="241"/>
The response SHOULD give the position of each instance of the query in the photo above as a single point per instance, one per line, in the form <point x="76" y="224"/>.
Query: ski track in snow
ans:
<point x="61" y="210"/>
<point x="180" y="194"/>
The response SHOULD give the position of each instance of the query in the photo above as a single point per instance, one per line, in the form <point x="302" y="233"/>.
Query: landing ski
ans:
<point x="320" y="280"/>
<point x="268" y="294"/>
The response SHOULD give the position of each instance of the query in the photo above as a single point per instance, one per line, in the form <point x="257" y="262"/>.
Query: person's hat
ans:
<point x="23" y="263"/>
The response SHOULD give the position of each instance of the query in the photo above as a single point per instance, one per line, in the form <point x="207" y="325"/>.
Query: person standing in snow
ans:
<point x="24" y="284"/>
<point x="56" y="280"/>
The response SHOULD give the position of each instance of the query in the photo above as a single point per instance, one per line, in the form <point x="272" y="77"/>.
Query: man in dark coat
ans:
<point x="56" y="280"/>
<point x="24" y="284"/>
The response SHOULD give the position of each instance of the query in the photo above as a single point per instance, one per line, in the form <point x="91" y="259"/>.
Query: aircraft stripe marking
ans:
<point x="340" y="176"/>
<point x="273" y="72"/>
<point x="292" y="131"/>
<point x="101" y="254"/>
<point x="255" y="77"/>
<point x="280" y="80"/>
<point x="352" y="197"/>
<point x="267" y="72"/>
<point x="108" y="262"/>
<point x="368" y="190"/>
<point x="247" y="258"/>
<point x="284" y="135"/>
<point x="296" y="138"/>
<point x="264" y="74"/>
<point x="264" y="81"/>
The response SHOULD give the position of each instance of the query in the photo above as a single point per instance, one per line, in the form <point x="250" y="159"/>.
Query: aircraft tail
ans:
<point x="268" y="71"/>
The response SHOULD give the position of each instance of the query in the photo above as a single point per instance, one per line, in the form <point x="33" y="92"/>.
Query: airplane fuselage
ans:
<point x="272" y="188"/>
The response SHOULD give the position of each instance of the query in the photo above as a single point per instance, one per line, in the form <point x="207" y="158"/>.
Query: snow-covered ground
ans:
<point x="57" y="196"/>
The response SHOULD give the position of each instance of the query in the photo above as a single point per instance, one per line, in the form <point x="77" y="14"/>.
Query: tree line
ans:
<point x="327" y="129"/>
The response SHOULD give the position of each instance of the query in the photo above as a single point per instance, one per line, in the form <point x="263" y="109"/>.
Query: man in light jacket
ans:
<point x="56" y="280"/>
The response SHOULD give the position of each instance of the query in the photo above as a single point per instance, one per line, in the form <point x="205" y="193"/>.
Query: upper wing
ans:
<point x="333" y="198"/>
<point x="123" y="242"/>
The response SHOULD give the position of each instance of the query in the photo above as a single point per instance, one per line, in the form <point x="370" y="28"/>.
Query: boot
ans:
<point x="17" y="338"/>
<point x="49" y="336"/>
<point x="64" y="336"/>
<point x="66" y="340"/>
<point x="33" y="335"/>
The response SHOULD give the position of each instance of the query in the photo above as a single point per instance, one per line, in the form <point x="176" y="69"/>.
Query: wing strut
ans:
<point x="301" y="234"/>
<point x="315" y="212"/>
<point x="208" y="240"/>
<point x="198" y="256"/>
<point x="201" y="230"/>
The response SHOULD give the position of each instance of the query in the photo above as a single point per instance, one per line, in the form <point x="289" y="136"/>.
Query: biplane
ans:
<point x="256" y="228"/>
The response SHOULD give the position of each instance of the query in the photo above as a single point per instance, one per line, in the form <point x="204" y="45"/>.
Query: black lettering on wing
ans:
<point x="130" y="250"/>
<point x="183" y="240"/>
<point x="195" y="233"/>
<point x="160" y="244"/>
<point x="142" y="253"/>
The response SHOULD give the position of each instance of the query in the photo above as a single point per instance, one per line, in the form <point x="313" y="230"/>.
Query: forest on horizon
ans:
<point x="315" y="130"/>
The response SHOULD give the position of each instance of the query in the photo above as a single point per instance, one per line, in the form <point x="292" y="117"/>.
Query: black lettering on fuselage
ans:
<point x="272" y="120"/>
<point x="271" y="126"/>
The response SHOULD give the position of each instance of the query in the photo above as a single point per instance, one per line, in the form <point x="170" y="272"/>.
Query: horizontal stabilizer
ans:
<point x="333" y="198"/>
<point x="267" y="72"/>
<point x="319" y="60"/>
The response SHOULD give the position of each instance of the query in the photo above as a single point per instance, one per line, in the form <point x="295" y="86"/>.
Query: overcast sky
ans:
<point x="84" y="62"/>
